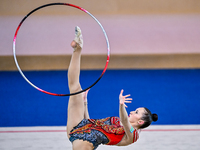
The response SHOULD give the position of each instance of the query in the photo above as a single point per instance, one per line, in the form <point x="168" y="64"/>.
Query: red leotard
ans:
<point x="109" y="129"/>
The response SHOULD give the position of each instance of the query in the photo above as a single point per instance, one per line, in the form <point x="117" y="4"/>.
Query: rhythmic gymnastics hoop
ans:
<point x="71" y="5"/>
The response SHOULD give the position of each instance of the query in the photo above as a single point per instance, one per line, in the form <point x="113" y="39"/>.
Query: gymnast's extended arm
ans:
<point x="128" y="138"/>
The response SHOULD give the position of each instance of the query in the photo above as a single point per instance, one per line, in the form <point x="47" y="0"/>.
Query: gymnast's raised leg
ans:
<point x="76" y="103"/>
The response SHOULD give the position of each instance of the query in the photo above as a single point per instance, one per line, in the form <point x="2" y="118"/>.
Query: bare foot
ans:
<point x="75" y="46"/>
<point x="77" y="43"/>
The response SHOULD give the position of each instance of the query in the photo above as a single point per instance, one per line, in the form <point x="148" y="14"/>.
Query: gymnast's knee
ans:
<point x="75" y="88"/>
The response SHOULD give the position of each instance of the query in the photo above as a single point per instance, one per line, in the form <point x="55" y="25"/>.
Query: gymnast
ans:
<point x="86" y="133"/>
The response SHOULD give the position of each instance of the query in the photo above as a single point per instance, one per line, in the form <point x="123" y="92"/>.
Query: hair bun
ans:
<point x="154" y="117"/>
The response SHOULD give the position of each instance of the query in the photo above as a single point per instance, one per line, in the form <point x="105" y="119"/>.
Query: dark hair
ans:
<point x="148" y="118"/>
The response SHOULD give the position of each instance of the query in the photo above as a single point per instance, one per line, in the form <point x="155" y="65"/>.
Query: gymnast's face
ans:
<point x="135" y="116"/>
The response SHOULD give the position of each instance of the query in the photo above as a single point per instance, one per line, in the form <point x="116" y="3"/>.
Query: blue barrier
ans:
<point x="172" y="94"/>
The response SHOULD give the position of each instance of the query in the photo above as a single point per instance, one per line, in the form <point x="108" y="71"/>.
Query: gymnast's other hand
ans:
<point x="124" y="99"/>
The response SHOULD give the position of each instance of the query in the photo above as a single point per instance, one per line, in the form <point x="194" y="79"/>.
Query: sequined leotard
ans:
<point x="100" y="131"/>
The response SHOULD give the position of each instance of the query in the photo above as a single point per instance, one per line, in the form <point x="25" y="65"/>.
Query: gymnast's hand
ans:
<point x="124" y="99"/>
